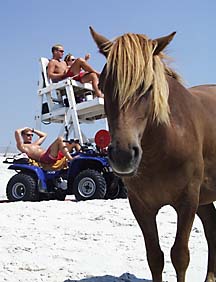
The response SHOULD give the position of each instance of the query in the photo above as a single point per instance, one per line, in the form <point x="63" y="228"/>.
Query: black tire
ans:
<point x="60" y="195"/>
<point x="112" y="186"/>
<point x="122" y="190"/>
<point x="22" y="187"/>
<point x="116" y="188"/>
<point x="89" y="184"/>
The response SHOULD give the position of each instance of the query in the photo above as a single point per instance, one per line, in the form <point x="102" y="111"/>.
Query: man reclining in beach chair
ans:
<point x="72" y="67"/>
<point x="55" y="157"/>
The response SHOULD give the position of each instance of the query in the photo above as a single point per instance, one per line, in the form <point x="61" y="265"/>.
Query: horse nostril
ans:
<point x="135" y="152"/>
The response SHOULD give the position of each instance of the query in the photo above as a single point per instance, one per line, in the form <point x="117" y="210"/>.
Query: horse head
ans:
<point x="136" y="94"/>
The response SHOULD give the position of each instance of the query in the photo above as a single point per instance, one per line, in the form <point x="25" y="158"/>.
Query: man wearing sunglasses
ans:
<point x="55" y="151"/>
<point x="58" y="69"/>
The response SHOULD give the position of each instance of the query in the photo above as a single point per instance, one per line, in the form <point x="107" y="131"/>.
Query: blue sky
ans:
<point x="28" y="29"/>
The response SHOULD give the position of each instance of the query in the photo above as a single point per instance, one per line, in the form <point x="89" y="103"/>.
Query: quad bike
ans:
<point x="87" y="177"/>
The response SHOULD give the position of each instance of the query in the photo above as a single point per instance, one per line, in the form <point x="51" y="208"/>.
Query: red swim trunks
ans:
<point x="60" y="155"/>
<point x="77" y="77"/>
<point x="46" y="158"/>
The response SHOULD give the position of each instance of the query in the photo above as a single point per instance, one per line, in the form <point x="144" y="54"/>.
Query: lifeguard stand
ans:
<point x="67" y="102"/>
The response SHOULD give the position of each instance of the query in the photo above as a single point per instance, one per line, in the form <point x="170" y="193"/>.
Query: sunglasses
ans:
<point x="29" y="135"/>
<point x="61" y="51"/>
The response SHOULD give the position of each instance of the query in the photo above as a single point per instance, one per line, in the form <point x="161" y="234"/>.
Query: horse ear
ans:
<point x="101" y="41"/>
<point x="162" y="42"/>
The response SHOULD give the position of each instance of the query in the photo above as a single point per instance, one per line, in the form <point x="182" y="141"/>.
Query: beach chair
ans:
<point x="66" y="102"/>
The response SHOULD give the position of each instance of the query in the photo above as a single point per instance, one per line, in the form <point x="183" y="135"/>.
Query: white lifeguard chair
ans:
<point x="66" y="102"/>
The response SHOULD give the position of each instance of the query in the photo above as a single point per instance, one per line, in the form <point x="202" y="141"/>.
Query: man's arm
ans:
<point x="51" y="72"/>
<point x="19" y="140"/>
<point x="41" y="136"/>
<point x="87" y="56"/>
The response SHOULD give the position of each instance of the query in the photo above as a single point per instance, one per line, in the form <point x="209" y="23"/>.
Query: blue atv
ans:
<point x="88" y="177"/>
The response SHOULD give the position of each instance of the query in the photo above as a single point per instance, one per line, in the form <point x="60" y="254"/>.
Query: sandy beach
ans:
<point x="92" y="241"/>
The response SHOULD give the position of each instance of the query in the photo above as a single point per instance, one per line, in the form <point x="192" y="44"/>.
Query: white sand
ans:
<point x="92" y="241"/>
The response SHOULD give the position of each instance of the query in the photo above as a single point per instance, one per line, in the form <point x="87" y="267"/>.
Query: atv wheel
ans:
<point x="89" y="184"/>
<point x="122" y="190"/>
<point x="116" y="188"/>
<point x="60" y="195"/>
<point x="22" y="187"/>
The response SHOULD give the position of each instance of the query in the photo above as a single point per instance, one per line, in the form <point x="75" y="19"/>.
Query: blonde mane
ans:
<point x="131" y="63"/>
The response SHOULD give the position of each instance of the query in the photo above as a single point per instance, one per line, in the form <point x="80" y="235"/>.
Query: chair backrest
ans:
<point x="44" y="80"/>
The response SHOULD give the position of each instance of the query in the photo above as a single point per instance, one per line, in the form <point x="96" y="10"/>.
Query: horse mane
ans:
<point x="134" y="69"/>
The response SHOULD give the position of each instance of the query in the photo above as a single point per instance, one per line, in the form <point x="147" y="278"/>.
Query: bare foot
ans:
<point x="99" y="95"/>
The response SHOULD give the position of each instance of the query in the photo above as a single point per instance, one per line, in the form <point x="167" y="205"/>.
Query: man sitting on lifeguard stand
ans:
<point x="58" y="69"/>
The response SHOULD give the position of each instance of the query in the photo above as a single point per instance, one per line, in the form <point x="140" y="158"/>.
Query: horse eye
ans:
<point x="148" y="92"/>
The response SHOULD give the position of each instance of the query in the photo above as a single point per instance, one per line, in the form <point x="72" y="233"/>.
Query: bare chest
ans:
<point x="60" y="67"/>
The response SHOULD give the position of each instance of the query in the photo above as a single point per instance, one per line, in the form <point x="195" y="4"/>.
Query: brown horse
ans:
<point x="163" y="144"/>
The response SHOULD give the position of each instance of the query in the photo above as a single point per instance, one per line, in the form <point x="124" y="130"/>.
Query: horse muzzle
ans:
<point x="124" y="162"/>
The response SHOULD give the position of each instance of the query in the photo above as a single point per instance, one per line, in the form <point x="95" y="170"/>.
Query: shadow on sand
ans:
<point x="126" y="277"/>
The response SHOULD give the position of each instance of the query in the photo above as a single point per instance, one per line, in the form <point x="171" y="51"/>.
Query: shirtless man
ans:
<point x="34" y="151"/>
<point x="58" y="69"/>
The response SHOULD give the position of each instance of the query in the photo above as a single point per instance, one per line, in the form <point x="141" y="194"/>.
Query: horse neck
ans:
<point x="181" y="102"/>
